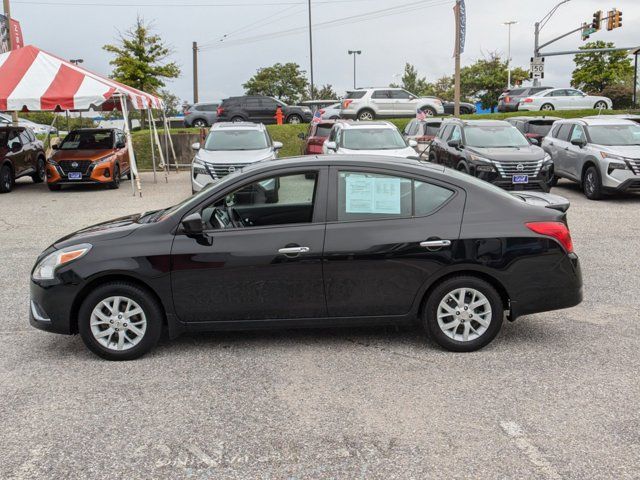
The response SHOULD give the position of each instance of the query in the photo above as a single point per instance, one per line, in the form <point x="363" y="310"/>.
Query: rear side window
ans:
<point x="429" y="197"/>
<point x="431" y="129"/>
<point x="444" y="131"/>
<point x="563" y="133"/>
<point x="355" y="95"/>
<point x="381" y="94"/>
<point x="517" y="91"/>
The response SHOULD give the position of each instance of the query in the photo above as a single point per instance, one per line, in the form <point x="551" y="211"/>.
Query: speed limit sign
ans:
<point x="537" y="67"/>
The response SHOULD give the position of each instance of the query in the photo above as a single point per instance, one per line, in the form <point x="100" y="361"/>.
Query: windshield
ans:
<point x="615" y="134"/>
<point x="540" y="127"/>
<point x="98" y="140"/>
<point x="372" y="139"/>
<point x="236" y="140"/>
<point x="494" y="137"/>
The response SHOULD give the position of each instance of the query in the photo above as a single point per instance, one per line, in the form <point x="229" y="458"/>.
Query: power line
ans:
<point x="174" y="5"/>
<point x="396" y="10"/>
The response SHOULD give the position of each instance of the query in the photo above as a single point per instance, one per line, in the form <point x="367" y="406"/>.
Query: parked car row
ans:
<point x="548" y="99"/>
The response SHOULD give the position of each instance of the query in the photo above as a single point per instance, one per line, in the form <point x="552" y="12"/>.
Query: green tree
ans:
<point x="325" y="92"/>
<point x="487" y="78"/>
<point x="412" y="82"/>
<point x="442" y="88"/>
<point x="285" y="82"/>
<point x="140" y="59"/>
<point x="598" y="70"/>
<point x="172" y="104"/>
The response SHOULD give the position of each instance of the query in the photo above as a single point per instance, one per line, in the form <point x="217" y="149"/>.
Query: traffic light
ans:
<point x="597" y="20"/>
<point x="617" y="19"/>
<point x="610" y="19"/>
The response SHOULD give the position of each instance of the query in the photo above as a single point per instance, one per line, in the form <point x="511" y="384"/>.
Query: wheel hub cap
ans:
<point x="118" y="323"/>
<point x="464" y="314"/>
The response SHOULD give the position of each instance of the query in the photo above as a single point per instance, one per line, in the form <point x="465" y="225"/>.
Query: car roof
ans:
<point x="603" y="120"/>
<point x="106" y="129"/>
<point x="237" y="126"/>
<point x="366" y="124"/>
<point x="478" y="123"/>
<point x="525" y="118"/>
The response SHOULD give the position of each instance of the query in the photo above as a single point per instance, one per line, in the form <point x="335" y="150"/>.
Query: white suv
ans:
<point x="368" y="138"/>
<point x="372" y="103"/>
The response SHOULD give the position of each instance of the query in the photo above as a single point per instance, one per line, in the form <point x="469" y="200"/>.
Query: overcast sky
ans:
<point x="421" y="34"/>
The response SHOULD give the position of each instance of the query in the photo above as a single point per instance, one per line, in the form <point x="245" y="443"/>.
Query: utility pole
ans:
<point x="195" y="72"/>
<point x="536" y="32"/>
<point x="456" y="89"/>
<point x="311" y="51"/>
<point x="508" y="24"/>
<point x="354" y="53"/>
<point x="7" y="13"/>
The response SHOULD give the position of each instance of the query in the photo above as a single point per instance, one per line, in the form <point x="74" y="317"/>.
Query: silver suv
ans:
<point x="601" y="154"/>
<point x="229" y="147"/>
<point x="371" y="103"/>
<point x="201" y="115"/>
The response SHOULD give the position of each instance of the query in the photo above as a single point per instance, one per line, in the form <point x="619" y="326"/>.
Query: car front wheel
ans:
<point x="41" y="172"/>
<point x="429" y="111"/>
<point x="547" y="107"/>
<point x="120" y="321"/>
<point x="366" y="115"/>
<point x="199" y="123"/>
<point x="601" y="106"/>
<point x="295" y="119"/>
<point x="592" y="184"/>
<point x="6" y="179"/>
<point x="463" y="314"/>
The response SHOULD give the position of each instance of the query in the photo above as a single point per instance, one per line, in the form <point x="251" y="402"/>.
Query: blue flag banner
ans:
<point x="463" y="24"/>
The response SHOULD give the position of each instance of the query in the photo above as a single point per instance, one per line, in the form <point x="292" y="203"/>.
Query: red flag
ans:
<point x="16" y="35"/>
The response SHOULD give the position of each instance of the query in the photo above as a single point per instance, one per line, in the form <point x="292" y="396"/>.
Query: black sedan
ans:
<point x="349" y="240"/>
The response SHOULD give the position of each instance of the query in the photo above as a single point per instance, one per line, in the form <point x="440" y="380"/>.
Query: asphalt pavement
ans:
<point x="555" y="396"/>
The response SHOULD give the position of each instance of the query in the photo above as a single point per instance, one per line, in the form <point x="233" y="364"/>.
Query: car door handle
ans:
<point x="293" y="250"/>
<point x="435" y="243"/>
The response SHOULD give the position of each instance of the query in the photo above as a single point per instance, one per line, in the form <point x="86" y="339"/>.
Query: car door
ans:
<point x="403" y="103"/>
<point x="254" y="109"/>
<point x="29" y="149"/>
<point x="573" y="154"/>
<point x="439" y="146"/>
<point x="267" y="267"/>
<point x="454" y="155"/>
<point x="375" y="259"/>
<point x="268" y="108"/>
<point x="561" y="146"/>
<point x="16" y="153"/>
<point x="122" y="151"/>
<point x="579" y="101"/>
<point x="383" y="103"/>
<point x="562" y="100"/>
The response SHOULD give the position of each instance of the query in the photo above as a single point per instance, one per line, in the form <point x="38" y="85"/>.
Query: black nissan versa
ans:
<point x="345" y="240"/>
<point x="494" y="151"/>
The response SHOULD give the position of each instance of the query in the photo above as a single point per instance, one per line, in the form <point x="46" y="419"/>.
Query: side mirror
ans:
<point x="16" y="147"/>
<point x="277" y="145"/>
<point x="578" y="142"/>
<point x="454" y="143"/>
<point x="55" y="146"/>
<point x="195" y="146"/>
<point x="192" y="224"/>
<point x="331" y="146"/>
<point x="121" y="145"/>
<point x="413" y="143"/>
<point x="302" y="136"/>
<point x="534" y="141"/>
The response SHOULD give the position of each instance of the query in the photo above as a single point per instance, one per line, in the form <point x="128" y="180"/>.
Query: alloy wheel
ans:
<point x="590" y="182"/>
<point x="365" y="116"/>
<point x="118" y="323"/>
<point x="546" y="108"/>
<point x="464" y="314"/>
<point x="295" y="119"/>
<point x="42" y="170"/>
<point x="428" y="112"/>
<point x="6" y="179"/>
<point x="601" y="106"/>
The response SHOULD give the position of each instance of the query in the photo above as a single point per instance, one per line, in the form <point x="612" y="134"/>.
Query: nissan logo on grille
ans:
<point x="74" y="164"/>
<point x="520" y="167"/>
<point x="232" y="169"/>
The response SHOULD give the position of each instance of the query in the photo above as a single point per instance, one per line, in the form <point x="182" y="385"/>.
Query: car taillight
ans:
<point x="507" y="99"/>
<point x="346" y="103"/>
<point x="321" y="112"/>
<point x="527" y="100"/>
<point x="220" y="111"/>
<point x="557" y="230"/>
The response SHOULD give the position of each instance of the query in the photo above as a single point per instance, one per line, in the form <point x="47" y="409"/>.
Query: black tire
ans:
<point x="294" y="118"/>
<point x="465" y="111"/>
<point x="592" y="184"/>
<point x="237" y="118"/>
<point x="41" y="171"/>
<point x="433" y="158"/>
<point x="115" y="183"/>
<point x="6" y="179"/>
<point x="366" y="115"/>
<point x="430" y="320"/>
<point x="54" y="187"/>
<point x="462" y="167"/>
<point x="552" y="181"/>
<point x="547" y="107"/>
<point x="150" y="307"/>
<point x="430" y="111"/>
<point x="600" y="105"/>
<point x="334" y="117"/>
<point x="200" y="123"/>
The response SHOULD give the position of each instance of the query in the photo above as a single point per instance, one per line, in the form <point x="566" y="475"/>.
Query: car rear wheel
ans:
<point x="366" y="115"/>
<point x="237" y="119"/>
<point x="462" y="167"/>
<point x="433" y="158"/>
<point x="295" y="119"/>
<point x="463" y="314"/>
<point x="41" y="171"/>
<point x="115" y="183"/>
<point x="547" y="107"/>
<point x="120" y="321"/>
<point x="465" y="111"/>
<point x="592" y="184"/>
<point x="429" y="111"/>
<point x="200" y="123"/>
<point x="6" y="179"/>
<point x="601" y="105"/>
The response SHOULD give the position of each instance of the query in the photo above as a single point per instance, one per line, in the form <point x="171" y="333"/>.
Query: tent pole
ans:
<point x="153" y="152"/>
<point x="135" y="177"/>
<point x="162" y="160"/>
<point x="173" y="150"/>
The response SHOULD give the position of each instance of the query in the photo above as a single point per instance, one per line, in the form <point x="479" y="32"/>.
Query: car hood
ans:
<point x="629" y="151"/>
<point x="109" y="230"/>
<point x="234" y="156"/>
<point x="514" y="154"/>
<point x="82" y="154"/>
<point x="396" y="152"/>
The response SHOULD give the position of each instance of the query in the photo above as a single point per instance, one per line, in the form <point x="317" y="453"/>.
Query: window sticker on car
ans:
<point x="372" y="195"/>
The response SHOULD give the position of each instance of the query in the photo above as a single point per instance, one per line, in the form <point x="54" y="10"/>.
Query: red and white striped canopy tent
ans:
<point x="34" y="80"/>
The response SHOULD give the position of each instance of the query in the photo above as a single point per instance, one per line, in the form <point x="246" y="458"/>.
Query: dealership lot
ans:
<point x="555" y="396"/>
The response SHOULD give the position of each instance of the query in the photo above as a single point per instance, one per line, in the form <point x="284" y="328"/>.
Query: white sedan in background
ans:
<point x="564" y="99"/>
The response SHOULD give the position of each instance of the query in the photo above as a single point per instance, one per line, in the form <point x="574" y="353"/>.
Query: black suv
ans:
<point x="21" y="154"/>
<point x="260" y="109"/>
<point x="494" y="151"/>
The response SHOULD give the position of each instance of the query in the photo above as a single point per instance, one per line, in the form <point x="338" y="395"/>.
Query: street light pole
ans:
<point x="311" y="51"/>
<point x="536" y="32"/>
<point x="508" y="24"/>
<point x="354" y="53"/>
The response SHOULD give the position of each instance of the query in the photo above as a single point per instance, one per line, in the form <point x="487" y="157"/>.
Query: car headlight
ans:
<point x="104" y="160"/>
<point x="46" y="268"/>
<point x="51" y="161"/>
<point x="616" y="162"/>
<point x="199" y="167"/>
<point x="547" y="159"/>
<point x="486" y="165"/>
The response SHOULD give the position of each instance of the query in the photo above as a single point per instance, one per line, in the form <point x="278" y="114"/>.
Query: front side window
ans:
<point x="574" y="93"/>
<point x="557" y="93"/>
<point x="14" y="140"/>
<point x="563" y="132"/>
<point x="278" y="200"/>
<point x="235" y="140"/>
<point x="400" y="94"/>
<point x="456" y="134"/>
<point x="373" y="196"/>
<point x="578" y="134"/>
<point x="24" y="137"/>
<point x="88" y="140"/>
<point x="494" y="136"/>
<point x="372" y="139"/>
